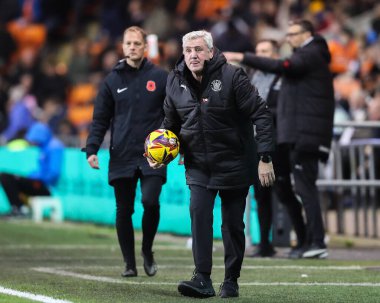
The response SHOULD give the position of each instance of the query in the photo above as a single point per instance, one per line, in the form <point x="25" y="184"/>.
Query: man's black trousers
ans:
<point x="284" y="190"/>
<point x="125" y="192"/>
<point x="201" y="212"/>
<point x="305" y="172"/>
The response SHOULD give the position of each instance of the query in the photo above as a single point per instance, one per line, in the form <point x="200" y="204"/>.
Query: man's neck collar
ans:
<point x="307" y="41"/>
<point x="134" y="64"/>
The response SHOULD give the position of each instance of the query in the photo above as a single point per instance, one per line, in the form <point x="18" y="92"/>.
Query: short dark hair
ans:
<point x="274" y="43"/>
<point x="306" y="25"/>
<point x="136" y="29"/>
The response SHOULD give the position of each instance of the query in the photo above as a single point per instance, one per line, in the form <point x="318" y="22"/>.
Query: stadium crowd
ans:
<point x="54" y="54"/>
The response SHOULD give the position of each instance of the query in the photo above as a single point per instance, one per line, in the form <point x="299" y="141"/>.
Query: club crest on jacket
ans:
<point x="216" y="85"/>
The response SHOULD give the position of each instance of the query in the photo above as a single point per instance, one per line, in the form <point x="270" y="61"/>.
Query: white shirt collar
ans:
<point x="307" y="41"/>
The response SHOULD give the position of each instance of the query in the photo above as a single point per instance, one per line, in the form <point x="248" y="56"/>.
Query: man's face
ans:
<point x="134" y="46"/>
<point x="196" y="53"/>
<point x="296" y="35"/>
<point x="265" y="49"/>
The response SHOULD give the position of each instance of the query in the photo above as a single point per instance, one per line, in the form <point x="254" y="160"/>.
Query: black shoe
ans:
<point x="129" y="272"/>
<point x="197" y="287"/>
<point x="229" y="289"/>
<point x="316" y="252"/>
<point x="150" y="265"/>
<point x="263" y="251"/>
<point x="296" y="252"/>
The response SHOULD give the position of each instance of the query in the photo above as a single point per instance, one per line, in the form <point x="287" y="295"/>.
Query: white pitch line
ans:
<point x="95" y="278"/>
<point x="362" y="284"/>
<point x="31" y="296"/>
<point x="119" y="281"/>
<point x="79" y="246"/>
<point x="163" y="266"/>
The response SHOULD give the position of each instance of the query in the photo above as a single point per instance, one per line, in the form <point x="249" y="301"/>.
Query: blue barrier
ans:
<point x="87" y="197"/>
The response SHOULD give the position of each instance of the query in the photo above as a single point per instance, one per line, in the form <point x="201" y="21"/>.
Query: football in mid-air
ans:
<point x="161" y="146"/>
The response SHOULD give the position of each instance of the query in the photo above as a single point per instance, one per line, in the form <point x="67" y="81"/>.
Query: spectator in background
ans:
<point x="268" y="85"/>
<point x="52" y="81"/>
<point x="344" y="51"/>
<point x="22" y="107"/>
<point x="305" y="115"/>
<point x="80" y="63"/>
<point x="47" y="174"/>
<point x="130" y="101"/>
<point x="212" y="107"/>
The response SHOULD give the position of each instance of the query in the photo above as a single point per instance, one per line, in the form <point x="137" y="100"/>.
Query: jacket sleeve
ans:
<point x="297" y="64"/>
<point x="171" y="120"/>
<point x="103" y="113"/>
<point x="250" y="103"/>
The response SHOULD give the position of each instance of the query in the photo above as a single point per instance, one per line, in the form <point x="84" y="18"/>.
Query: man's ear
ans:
<point x="212" y="53"/>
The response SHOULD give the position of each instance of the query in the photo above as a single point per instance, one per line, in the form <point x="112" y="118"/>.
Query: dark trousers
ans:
<point x="201" y="213"/>
<point x="125" y="192"/>
<point x="15" y="186"/>
<point x="285" y="194"/>
<point x="305" y="171"/>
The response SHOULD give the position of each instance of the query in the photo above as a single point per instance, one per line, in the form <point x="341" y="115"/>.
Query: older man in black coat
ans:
<point x="212" y="107"/>
<point x="304" y="118"/>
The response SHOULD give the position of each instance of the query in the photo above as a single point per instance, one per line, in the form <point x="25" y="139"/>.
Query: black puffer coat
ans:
<point x="214" y="124"/>
<point x="305" y="111"/>
<point x="130" y="101"/>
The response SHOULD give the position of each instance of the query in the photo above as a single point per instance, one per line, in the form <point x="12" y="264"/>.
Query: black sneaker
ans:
<point x="263" y="251"/>
<point x="315" y="252"/>
<point x="197" y="287"/>
<point x="296" y="252"/>
<point x="150" y="265"/>
<point x="229" y="289"/>
<point x="129" y="272"/>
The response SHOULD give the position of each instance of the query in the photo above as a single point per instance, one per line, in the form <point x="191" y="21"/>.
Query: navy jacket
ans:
<point x="214" y="123"/>
<point x="130" y="102"/>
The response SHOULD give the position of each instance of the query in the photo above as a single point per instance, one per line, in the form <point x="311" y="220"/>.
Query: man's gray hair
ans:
<point x="199" y="34"/>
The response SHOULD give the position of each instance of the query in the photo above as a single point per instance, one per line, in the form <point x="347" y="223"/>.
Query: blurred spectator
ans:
<point x="344" y="51"/>
<point x="52" y="81"/>
<point x="80" y="63"/>
<point x="27" y="62"/>
<point x="22" y="107"/>
<point x="53" y="112"/>
<point x="158" y="19"/>
<point x="47" y="174"/>
<point x="114" y="17"/>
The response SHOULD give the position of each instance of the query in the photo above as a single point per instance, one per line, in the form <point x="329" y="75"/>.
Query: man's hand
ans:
<point x="266" y="173"/>
<point x="93" y="161"/>
<point x="152" y="163"/>
<point x="234" y="57"/>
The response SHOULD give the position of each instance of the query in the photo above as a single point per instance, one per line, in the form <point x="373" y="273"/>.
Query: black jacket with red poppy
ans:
<point x="130" y="102"/>
<point x="305" y="108"/>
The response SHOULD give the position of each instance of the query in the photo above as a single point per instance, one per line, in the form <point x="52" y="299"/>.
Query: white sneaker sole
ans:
<point x="316" y="253"/>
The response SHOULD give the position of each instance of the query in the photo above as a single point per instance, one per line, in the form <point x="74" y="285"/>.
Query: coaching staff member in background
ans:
<point x="212" y="107"/>
<point x="130" y="101"/>
<point x="268" y="85"/>
<point x="305" y="114"/>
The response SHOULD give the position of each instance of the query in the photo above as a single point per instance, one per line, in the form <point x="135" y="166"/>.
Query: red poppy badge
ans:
<point x="151" y="86"/>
